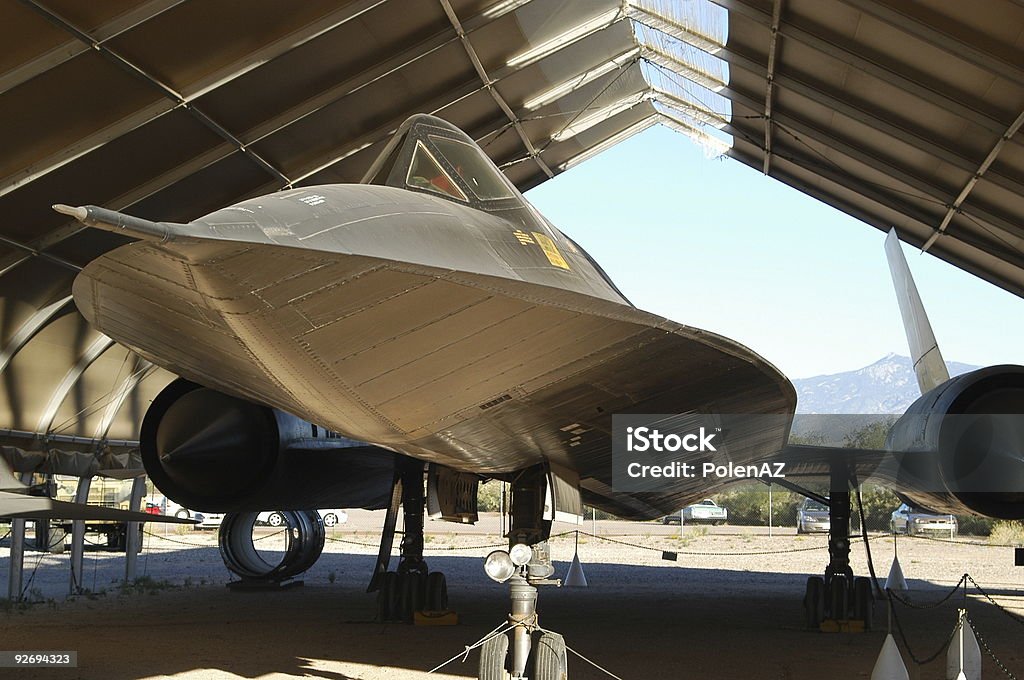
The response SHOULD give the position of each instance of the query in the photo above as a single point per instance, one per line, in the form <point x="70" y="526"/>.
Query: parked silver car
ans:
<point x="910" y="520"/>
<point x="812" y="517"/>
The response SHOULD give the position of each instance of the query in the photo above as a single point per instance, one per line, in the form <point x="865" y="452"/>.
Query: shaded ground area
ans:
<point x="716" y="614"/>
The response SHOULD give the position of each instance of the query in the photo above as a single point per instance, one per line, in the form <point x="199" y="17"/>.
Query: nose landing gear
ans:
<point x="526" y="565"/>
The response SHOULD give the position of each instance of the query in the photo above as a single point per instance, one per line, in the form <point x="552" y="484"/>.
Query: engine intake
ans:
<point x="214" y="452"/>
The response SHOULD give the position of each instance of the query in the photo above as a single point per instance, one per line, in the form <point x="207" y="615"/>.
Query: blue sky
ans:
<point x="714" y="244"/>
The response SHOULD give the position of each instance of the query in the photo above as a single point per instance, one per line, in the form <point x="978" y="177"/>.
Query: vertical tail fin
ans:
<point x="924" y="350"/>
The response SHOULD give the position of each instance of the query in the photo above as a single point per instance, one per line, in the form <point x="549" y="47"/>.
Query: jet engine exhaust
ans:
<point x="980" y="466"/>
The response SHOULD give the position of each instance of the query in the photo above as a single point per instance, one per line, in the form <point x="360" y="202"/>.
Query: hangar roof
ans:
<point x="168" y="109"/>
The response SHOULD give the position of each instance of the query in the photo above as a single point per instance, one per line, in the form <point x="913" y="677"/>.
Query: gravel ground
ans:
<point x="714" y="613"/>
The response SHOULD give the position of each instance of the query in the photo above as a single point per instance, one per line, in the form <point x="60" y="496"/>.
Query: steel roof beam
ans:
<point x="913" y="137"/>
<point x="72" y="48"/>
<point x="71" y="378"/>
<point x="928" y="190"/>
<point x="773" y="47"/>
<point x="434" y="106"/>
<point x="33" y="252"/>
<point x="958" y="202"/>
<point x="877" y="221"/>
<point x="143" y="369"/>
<point x="489" y="84"/>
<point x="936" y="38"/>
<point x="275" y="124"/>
<point x="892" y="203"/>
<point x="844" y="52"/>
<point x="177" y="99"/>
<point x="172" y="99"/>
<point x="28" y="329"/>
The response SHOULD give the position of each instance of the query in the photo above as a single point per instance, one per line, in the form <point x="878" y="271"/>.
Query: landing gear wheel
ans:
<point x="492" y="659"/>
<point x="275" y="519"/>
<point x="387" y="598"/>
<point x="330" y="519"/>
<point x="838" y="598"/>
<point x="549" y="658"/>
<point x="437" y="592"/>
<point x="410" y="595"/>
<point x="814" y="602"/>
<point x="863" y="601"/>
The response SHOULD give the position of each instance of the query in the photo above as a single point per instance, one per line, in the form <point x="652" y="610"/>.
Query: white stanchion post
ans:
<point x="575" y="578"/>
<point x="963" y="659"/>
<point x="889" y="665"/>
<point x="896" y="580"/>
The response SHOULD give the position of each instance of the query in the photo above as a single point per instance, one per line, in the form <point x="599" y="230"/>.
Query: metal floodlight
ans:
<point x="499" y="566"/>
<point x="521" y="554"/>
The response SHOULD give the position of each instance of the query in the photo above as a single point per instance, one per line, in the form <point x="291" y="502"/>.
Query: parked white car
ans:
<point x="330" y="516"/>
<point x="173" y="509"/>
<point x="208" y="520"/>
<point x="910" y="521"/>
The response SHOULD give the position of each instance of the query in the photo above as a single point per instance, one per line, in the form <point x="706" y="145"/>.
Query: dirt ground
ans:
<point x="714" y="613"/>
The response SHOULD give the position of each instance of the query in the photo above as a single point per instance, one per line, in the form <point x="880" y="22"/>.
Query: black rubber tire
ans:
<point x="437" y="592"/>
<point x="492" y="659"/>
<point x="864" y="601"/>
<point x="549" y="658"/>
<point x="275" y="519"/>
<point x="387" y="598"/>
<point x="814" y="602"/>
<point x="181" y="514"/>
<point x="838" y="599"/>
<point x="410" y="595"/>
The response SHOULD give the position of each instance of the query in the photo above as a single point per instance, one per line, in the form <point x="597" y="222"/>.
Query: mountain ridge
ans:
<point x="887" y="386"/>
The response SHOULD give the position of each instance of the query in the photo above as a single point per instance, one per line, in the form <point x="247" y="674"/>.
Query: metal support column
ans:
<point x="16" y="563"/>
<point x="133" y="539"/>
<point x="78" y="538"/>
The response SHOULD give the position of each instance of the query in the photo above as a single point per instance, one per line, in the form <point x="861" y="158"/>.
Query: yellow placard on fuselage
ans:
<point x="551" y="250"/>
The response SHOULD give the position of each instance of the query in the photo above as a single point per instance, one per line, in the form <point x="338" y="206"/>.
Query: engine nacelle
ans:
<point x="953" y="456"/>
<point x="214" y="452"/>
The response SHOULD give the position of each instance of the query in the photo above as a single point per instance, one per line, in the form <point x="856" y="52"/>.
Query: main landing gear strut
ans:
<point x="839" y="602"/>
<point x="526" y="565"/>
<point x="411" y="587"/>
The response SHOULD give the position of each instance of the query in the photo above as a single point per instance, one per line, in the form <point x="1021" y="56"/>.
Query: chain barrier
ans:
<point x="703" y="553"/>
<point x="988" y="650"/>
<point x="979" y="544"/>
<point x="998" y="606"/>
<point x="932" y="605"/>
<point x="963" y="582"/>
<point x="906" y="643"/>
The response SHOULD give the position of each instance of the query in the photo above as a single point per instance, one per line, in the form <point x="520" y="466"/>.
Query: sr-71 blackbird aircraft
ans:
<point x="334" y="342"/>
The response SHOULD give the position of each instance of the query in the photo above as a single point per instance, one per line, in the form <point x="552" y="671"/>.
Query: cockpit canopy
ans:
<point x="431" y="155"/>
